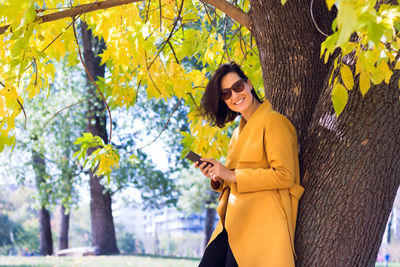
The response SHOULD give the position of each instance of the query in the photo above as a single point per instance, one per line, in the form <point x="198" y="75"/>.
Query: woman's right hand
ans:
<point x="205" y="170"/>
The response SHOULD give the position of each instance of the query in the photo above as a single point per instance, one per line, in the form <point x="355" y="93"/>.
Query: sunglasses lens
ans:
<point x="226" y="94"/>
<point x="238" y="86"/>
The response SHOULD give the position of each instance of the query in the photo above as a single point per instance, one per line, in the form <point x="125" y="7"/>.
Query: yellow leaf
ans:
<point x="347" y="76"/>
<point x="365" y="82"/>
<point x="339" y="98"/>
<point x="359" y="66"/>
<point x="397" y="67"/>
<point x="330" y="3"/>
<point x="382" y="72"/>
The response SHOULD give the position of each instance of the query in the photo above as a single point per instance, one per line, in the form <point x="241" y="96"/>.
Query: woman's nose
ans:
<point x="234" y="94"/>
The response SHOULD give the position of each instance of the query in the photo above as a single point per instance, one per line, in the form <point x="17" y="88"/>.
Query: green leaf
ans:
<point x="348" y="47"/>
<point x="347" y="21"/>
<point x="73" y="58"/>
<point x="375" y="32"/>
<point x="339" y="98"/>
<point x="30" y="14"/>
<point x="347" y="76"/>
<point x="329" y="46"/>
<point x="17" y="48"/>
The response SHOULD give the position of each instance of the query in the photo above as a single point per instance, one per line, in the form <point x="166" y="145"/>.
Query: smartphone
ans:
<point x="195" y="157"/>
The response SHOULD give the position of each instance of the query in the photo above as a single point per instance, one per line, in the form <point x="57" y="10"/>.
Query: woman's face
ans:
<point x="241" y="101"/>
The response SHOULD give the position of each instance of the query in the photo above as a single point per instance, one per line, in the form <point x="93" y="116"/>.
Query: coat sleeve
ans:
<point x="217" y="186"/>
<point x="280" y="145"/>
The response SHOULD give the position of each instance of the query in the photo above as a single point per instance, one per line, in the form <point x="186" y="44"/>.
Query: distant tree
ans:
<point x="196" y="197"/>
<point x="8" y="229"/>
<point x="42" y="180"/>
<point x="20" y="232"/>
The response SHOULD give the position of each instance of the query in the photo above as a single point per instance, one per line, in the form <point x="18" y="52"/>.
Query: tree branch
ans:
<point x="165" y="127"/>
<point x="77" y="10"/>
<point x="61" y="110"/>
<point x="231" y="11"/>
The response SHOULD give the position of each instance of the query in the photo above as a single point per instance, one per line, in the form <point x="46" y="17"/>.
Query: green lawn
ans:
<point x="99" y="261"/>
<point x="391" y="264"/>
<point x="107" y="261"/>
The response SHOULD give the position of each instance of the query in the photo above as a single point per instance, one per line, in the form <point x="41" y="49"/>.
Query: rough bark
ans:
<point x="45" y="238"/>
<point x="64" y="228"/>
<point x="289" y="50"/>
<point x="352" y="172"/>
<point x="103" y="232"/>
<point x="350" y="166"/>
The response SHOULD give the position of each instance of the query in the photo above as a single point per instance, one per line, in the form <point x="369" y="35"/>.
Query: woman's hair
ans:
<point x="212" y="107"/>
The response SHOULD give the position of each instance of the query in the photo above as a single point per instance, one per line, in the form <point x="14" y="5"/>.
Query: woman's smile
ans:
<point x="239" y="101"/>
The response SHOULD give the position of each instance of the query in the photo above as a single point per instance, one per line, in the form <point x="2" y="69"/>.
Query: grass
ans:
<point x="107" y="261"/>
<point x="98" y="261"/>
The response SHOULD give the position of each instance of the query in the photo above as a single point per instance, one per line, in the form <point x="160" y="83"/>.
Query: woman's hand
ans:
<point x="216" y="172"/>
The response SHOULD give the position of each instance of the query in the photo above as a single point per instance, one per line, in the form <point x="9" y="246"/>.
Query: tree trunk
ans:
<point x="352" y="172"/>
<point x="350" y="166"/>
<point x="209" y="224"/>
<point x="289" y="50"/>
<point x="103" y="233"/>
<point x="46" y="240"/>
<point x="210" y="217"/>
<point x="63" y="241"/>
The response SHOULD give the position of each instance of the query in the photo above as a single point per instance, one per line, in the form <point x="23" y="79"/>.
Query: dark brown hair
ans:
<point x="212" y="107"/>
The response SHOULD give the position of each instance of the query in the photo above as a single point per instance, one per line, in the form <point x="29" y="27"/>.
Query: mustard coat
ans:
<point x="259" y="211"/>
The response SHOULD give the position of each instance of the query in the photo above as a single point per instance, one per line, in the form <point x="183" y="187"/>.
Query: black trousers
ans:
<point x="218" y="253"/>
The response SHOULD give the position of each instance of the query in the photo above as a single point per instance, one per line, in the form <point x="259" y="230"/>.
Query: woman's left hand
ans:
<point x="219" y="170"/>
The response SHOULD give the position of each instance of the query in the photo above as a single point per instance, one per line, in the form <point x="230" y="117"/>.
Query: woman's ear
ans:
<point x="249" y="83"/>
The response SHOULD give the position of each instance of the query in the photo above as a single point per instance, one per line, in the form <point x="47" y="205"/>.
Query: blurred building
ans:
<point x="391" y="239"/>
<point x="167" y="231"/>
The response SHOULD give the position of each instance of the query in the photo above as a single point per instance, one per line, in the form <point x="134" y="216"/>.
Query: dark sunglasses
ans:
<point x="237" y="87"/>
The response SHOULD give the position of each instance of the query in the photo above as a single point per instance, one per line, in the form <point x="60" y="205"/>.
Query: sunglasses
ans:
<point x="237" y="87"/>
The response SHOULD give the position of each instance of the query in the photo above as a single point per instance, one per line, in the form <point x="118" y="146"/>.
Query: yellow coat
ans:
<point x="259" y="211"/>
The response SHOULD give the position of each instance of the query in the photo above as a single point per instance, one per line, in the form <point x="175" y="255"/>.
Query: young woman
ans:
<point x="259" y="183"/>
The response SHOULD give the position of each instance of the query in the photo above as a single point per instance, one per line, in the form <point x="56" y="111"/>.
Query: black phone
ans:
<point x="195" y="157"/>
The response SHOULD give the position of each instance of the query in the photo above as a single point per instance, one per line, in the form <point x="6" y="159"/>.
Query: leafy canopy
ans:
<point x="151" y="46"/>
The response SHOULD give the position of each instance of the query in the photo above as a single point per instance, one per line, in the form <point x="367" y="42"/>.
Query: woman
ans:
<point x="259" y="183"/>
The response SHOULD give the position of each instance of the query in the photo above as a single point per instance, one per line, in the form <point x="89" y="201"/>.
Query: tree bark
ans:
<point x="64" y="228"/>
<point x="46" y="240"/>
<point x="103" y="232"/>
<point x="350" y="166"/>
<point x="352" y="173"/>
<point x="289" y="50"/>
<point x="210" y="218"/>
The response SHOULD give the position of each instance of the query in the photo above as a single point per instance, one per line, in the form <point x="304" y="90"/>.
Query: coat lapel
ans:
<point x="242" y="133"/>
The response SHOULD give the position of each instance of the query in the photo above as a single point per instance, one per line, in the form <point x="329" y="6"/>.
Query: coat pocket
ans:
<point x="296" y="191"/>
<point x="279" y="203"/>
